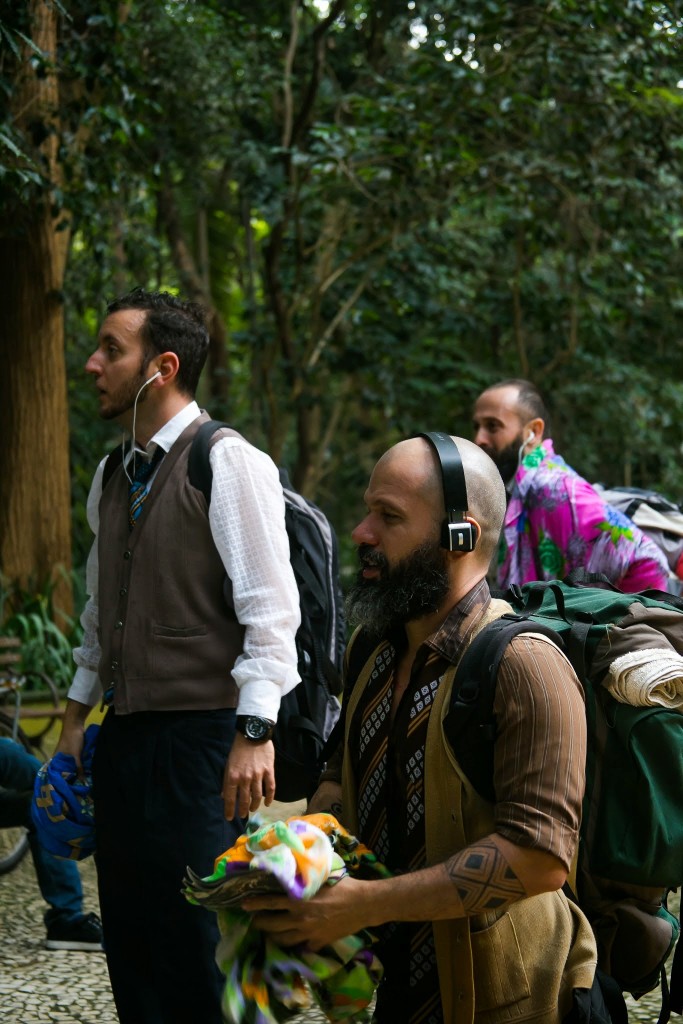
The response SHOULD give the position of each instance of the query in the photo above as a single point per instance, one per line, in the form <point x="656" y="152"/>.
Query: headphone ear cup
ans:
<point x="455" y="535"/>
<point x="458" y="536"/>
<point x="470" y="538"/>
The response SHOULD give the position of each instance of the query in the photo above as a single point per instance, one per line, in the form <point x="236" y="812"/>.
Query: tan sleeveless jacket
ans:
<point x="519" y="964"/>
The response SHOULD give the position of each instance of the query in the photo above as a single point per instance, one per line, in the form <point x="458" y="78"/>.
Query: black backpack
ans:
<point x="631" y="844"/>
<point x="309" y="712"/>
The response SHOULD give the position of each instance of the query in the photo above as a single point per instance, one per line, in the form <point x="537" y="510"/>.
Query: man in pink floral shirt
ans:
<point x="555" y="521"/>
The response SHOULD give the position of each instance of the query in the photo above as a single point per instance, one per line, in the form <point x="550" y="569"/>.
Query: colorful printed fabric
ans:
<point x="266" y="984"/>
<point x="556" y="522"/>
<point x="62" y="807"/>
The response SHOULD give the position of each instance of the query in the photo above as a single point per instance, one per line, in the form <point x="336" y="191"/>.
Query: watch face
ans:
<point x="256" y="729"/>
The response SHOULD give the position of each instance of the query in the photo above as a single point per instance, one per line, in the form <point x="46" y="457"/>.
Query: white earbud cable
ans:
<point x="132" y="439"/>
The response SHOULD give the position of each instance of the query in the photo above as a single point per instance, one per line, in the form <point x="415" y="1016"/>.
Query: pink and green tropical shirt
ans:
<point x="557" y="522"/>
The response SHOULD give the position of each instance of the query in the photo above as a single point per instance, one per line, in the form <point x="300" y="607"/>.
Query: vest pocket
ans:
<point x="173" y="633"/>
<point x="180" y="653"/>
<point x="500" y="978"/>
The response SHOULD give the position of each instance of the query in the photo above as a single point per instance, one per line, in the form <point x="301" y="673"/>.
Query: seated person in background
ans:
<point x="555" y="521"/>
<point x="59" y="880"/>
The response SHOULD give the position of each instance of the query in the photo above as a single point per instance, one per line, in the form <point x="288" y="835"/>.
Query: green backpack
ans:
<point x="631" y="839"/>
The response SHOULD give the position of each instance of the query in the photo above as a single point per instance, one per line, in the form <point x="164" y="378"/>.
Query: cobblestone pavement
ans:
<point x="38" y="986"/>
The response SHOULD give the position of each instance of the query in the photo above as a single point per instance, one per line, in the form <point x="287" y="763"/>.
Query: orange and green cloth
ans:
<point x="264" y="983"/>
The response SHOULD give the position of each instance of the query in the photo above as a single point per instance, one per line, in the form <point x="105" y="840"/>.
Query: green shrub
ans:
<point x="29" y="614"/>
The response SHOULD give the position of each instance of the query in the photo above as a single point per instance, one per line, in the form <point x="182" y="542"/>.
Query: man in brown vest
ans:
<point x="472" y="927"/>
<point x="192" y="670"/>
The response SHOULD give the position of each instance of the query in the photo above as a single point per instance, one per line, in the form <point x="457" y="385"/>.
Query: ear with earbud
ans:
<point x="530" y="437"/>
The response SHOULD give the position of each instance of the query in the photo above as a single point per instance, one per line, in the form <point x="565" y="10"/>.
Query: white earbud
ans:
<point x="153" y="377"/>
<point x="530" y="437"/>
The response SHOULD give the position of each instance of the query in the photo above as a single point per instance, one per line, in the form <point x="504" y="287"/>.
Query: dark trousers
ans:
<point x="157" y="779"/>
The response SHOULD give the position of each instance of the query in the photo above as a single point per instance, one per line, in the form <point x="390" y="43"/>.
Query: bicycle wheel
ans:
<point x="40" y="726"/>
<point x="13" y="841"/>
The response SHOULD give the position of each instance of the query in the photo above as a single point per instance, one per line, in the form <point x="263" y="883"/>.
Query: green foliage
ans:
<point x="390" y="205"/>
<point x="47" y="635"/>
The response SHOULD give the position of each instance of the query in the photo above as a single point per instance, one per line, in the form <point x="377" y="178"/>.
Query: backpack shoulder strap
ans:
<point x="469" y="724"/>
<point x="114" y="460"/>
<point x="199" y="471"/>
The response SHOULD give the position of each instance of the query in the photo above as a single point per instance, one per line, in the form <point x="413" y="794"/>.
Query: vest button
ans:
<point x="114" y="666"/>
<point x="118" y="625"/>
<point x="126" y="554"/>
<point x="123" y="591"/>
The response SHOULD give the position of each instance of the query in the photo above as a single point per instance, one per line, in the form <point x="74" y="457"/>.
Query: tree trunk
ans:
<point x="35" y="513"/>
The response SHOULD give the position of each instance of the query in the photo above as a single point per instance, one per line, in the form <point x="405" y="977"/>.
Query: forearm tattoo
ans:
<point x="336" y="809"/>
<point x="483" y="878"/>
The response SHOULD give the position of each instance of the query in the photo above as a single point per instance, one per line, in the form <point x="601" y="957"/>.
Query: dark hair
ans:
<point x="171" y="325"/>
<point x="529" y="401"/>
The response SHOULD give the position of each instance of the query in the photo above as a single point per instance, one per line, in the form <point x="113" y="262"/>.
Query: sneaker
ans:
<point x="85" y="934"/>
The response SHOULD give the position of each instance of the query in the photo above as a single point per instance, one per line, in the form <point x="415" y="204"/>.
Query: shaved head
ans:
<point x="420" y="475"/>
<point x="485" y="492"/>
<point x="416" y="460"/>
<point x="406" y="576"/>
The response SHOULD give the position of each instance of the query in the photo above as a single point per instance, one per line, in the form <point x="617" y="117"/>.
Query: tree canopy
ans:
<point x="385" y="207"/>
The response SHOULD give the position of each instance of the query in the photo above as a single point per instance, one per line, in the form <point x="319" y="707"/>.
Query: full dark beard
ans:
<point x="414" y="587"/>
<point x="507" y="459"/>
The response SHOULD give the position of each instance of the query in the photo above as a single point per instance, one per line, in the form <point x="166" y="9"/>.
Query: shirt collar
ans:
<point x="171" y="431"/>
<point x="452" y="635"/>
<point x="522" y="480"/>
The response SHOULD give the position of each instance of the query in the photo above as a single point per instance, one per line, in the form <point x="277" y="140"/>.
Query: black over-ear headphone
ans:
<point x="456" y="533"/>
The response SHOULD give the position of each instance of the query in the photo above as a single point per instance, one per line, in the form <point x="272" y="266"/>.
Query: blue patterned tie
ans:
<point x="139" y="488"/>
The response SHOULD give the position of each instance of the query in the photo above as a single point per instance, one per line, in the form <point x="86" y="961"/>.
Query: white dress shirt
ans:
<point x="246" y="517"/>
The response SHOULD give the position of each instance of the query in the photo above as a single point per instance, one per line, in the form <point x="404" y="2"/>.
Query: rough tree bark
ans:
<point x="35" y="513"/>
